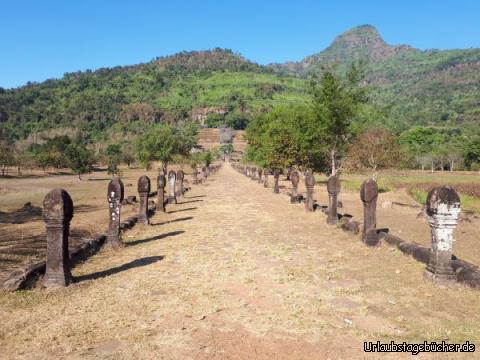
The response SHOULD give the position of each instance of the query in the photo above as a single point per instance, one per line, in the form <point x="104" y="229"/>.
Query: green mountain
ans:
<point x="430" y="87"/>
<point x="410" y="86"/>
<point x="122" y="100"/>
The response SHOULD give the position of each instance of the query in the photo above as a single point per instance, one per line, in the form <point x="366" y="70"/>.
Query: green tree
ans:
<point x="337" y="102"/>
<point x="226" y="149"/>
<point x="80" y="159"/>
<point x="285" y="137"/>
<point x="113" y="154"/>
<point x="163" y="142"/>
<point x="207" y="158"/>
<point x="471" y="153"/>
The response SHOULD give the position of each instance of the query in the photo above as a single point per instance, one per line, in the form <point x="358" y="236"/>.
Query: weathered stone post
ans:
<point x="443" y="210"/>
<point x="172" y="179"/>
<point x="289" y="173"/>
<point x="309" y="184"/>
<point x="57" y="214"/>
<point x="161" y="182"/>
<point x="369" y="196"/>
<point x="333" y="188"/>
<point x="143" y="186"/>
<point x="276" y="177"/>
<point x="115" y="193"/>
<point x="265" y="181"/>
<point x="295" y="180"/>
<point x="254" y="173"/>
<point x="260" y="172"/>
<point x="180" y="177"/>
<point x="195" y="174"/>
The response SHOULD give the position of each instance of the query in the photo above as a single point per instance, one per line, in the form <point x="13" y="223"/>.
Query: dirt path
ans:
<point x="236" y="272"/>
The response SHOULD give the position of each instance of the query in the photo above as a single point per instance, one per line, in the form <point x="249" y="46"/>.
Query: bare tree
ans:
<point x="375" y="149"/>
<point x="226" y="135"/>
<point x="453" y="157"/>
<point x="423" y="160"/>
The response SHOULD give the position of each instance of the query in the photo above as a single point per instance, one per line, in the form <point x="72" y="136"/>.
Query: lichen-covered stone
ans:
<point x="115" y="194"/>
<point x="443" y="210"/>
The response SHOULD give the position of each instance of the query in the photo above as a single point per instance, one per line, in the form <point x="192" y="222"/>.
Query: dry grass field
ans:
<point x="22" y="239"/>
<point x="236" y="272"/>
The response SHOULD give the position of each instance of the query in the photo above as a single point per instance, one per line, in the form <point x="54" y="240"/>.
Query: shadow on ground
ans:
<point x="172" y="221"/>
<point x="20" y="216"/>
<point x="187" y="209"/>
<point x="131" y="265"/>
<point x="158" y="237"/>
<point x="190" y="201"/>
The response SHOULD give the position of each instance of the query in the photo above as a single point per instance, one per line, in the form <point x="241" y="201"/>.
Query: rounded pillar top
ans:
<point x="368" y="190"/>
<point x="295" y="178"/>
<point x="143" y="184"/>
<point x="172" y="174"/>
<point x="180" y="174"/>
<point x="442" y="200"/>
<point x="58" y="205"/>
<point x="115" y="190"/>
<point x="161" y="181"/>
<point x="333" y="185"/>
<point x="309" y="179"/>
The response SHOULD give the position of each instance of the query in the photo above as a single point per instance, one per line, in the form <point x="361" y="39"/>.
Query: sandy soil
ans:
<point x="236" y="272"/>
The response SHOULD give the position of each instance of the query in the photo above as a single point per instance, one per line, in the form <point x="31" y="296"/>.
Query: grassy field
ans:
<point x="418" y="184"/>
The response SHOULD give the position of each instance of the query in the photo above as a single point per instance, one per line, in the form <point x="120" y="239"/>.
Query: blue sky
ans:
<point x="43" y="39"/>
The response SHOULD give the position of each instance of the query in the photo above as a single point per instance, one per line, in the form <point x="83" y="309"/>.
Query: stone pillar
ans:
<point x="443" y="210"/>
<point x="195" y="174"/>
<point x="161" y="182"/>
<point x="204" y="173"/>
<point x="143" y="186"/>
<point x="172" y="179"/>
<point x="115" y="193"/>
<point x="309" y="184"/>
<point x="265" y="181"/>
<point x="289" y="173"/>
<point x="180" y="177"/>
<point x="254" y="173"/>
<point x="276" y="177"/>
<point x="333" y="188"/>
<point x="295" y="180"/>
<point x="369" y="196"/>
<point x="260" y="171"/>
<point x="57" y="214"/>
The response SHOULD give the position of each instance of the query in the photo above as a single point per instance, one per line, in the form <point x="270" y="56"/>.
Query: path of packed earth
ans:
<point x="236" y="272"/>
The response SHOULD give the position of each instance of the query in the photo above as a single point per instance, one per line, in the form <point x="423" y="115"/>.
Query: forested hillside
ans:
<point x="127" y="98"/>
<point x="407" y="88"/>
<point x="430" y="87"/>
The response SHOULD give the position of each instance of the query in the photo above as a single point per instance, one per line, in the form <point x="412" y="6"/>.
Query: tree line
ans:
<point x="162" y="143"/>
<point x="340" y="129"/>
